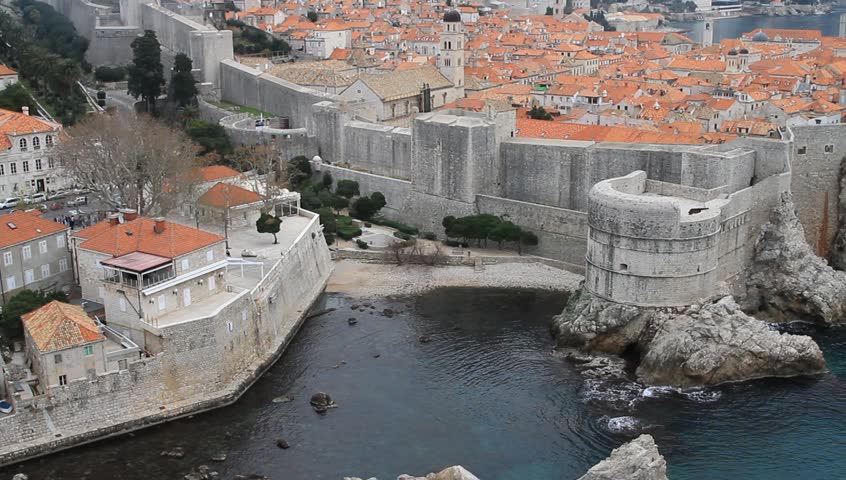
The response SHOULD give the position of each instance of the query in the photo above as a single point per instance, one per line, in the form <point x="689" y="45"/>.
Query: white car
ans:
<point x="9" y="202"/>
<point x="37" y="198"/>
<point x="56" y="194"/>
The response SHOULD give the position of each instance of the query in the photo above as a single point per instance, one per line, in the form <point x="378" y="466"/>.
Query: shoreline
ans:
<point x="362" y="279"/>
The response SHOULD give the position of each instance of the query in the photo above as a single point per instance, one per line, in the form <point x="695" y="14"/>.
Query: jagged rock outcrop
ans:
<point x="686" y="347"/>
<point x="456" y="472"/>
<point x="636" y="460"/>
<point x="718" y="343"/>
<point x="788" y="280"/>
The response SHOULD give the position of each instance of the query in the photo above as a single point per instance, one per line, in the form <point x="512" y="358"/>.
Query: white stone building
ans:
<point x="326" y="38"/>
<point x="7" y="77"/>
<point x="26" y="166"/>
<point x="35" y="254"/>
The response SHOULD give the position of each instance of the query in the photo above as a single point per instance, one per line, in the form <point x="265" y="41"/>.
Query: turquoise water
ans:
<point x="737" y="26"/>
<point x="486" y="392"/>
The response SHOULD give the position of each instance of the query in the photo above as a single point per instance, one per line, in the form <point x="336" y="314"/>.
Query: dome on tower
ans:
<point x="760" y="37"/>
<point x="744" y="51"/>
<point x="452" y="16"/>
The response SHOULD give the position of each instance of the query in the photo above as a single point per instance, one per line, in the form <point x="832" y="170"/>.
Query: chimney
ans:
<point x="159" y="226"/>
<point x="25" y="110"/>
<point x="114" y="219"/>
<point x="128" y="214"/>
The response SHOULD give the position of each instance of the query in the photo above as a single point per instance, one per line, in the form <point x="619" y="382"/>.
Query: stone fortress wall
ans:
<point x="453" y="163"/>
<point x="206" y="362"/>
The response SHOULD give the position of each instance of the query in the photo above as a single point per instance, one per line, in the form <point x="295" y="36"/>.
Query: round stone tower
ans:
<point x="649" y="244"/>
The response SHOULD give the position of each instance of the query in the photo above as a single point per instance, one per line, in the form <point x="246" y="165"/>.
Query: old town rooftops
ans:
<point x="19" y="227"/>
<point x="59" y="326"/>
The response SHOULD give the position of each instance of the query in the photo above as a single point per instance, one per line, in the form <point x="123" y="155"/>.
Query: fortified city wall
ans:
<point x="542" y="184"/>
<point x="206" y="362"/>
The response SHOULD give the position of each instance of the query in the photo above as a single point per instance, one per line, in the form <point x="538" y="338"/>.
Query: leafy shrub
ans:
<point x="455" y="243"/>
<point x="348" y="232"/>
<point x="403" y="236"/>
<point x="362" y="244"/>
<point x="407" y="229"/>
<point x="429" y="235"/>
<point x="110" y="74"/>
<point x="330" y="238"/>
<point x="347" y="188"/>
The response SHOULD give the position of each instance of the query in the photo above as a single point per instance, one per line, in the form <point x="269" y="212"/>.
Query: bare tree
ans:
<point x="270" y="174"/>
<point x="130" y="160"/>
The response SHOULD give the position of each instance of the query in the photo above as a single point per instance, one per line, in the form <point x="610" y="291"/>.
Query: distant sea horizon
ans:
<point x="734" y="27"/>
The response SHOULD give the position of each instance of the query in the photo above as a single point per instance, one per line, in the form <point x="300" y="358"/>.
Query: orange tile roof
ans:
<point x="4" y="70"/>
<point x="58" y="326"/>
<point x="216" y="172"/>
<point x="223" y="195"/>
<point x="28" y="227"/>
<point x="138" y="236"/>
<point x="16" y="123"/>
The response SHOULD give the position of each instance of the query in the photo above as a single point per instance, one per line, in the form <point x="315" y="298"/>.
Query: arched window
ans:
<point x="36" y="143"/>
<point x="22" y="143"/>
<point x="48" y="140"/>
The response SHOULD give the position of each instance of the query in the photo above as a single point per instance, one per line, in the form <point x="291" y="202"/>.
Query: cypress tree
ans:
<point x="183" y="87"/>
<point x="146" y="74"/>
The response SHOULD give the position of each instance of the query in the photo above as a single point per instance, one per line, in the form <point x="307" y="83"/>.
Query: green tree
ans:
<point x="378" y="200"/>
<point x="327" y="180"/>
<point x="24" y="302"/>
<point x="364" y="208"/>
<point x="183" y="87"/>
<point x="539" y="113"/>
<point x="347" y="188"/>
<point x="327" y="219"/>
<point x="312" y="16"/>
<point x="211" y="136"/>
<point x="14" y="97"/>
<point x="504" y="232"/>
<point x="268" y="223"/>
<point x="299" y="170"/>
<point x="146" y="74"/>
<point x="528" y="239"/>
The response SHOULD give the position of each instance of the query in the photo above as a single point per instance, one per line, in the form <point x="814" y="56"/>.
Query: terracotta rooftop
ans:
<point x="18" y="227"/>
<point x="223" y="195"/>
<point x="139" y="236"/>
<point x="16" y="123"/>
<point x="58" y="326"/>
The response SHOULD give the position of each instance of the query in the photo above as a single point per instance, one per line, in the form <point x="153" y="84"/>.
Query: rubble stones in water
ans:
<point x="787" y="279"/>
<point x="282" y="399"/>
<point x="352" y="321"/>
<point x="424" y="339"/>
<point x="20" y="476"/>
<point x="636" y="460"/>
<point x="220" y="457"/>
<point x="388" y="312"/>
<point x="282" y="443"/>
<point x="697" y="346"/>
<point x="177" y="452"/>
<point x="321" y="402"/>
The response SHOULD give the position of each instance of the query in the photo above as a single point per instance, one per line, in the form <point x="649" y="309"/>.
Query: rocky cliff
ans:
<point x="636" y="460"/>
<point x="686" y="347"/>
<point x="788" y="281"/>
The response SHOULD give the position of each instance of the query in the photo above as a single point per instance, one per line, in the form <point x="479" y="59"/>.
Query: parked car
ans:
<point x="9" y="202"/>
<point x="76" y="213"/>
<point x="57" y="206"/>
<point x="36" y="198"/>
<point x="56" y="194"/>
<point x="77" y="202"/>
<point x="43" y="207"/>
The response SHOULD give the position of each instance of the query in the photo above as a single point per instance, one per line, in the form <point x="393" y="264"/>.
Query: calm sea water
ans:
<point x="485" y="392"/>
<point x="737" y="26"/>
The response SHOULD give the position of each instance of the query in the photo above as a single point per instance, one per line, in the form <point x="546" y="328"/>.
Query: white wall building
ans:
<point x="26" y="165"/>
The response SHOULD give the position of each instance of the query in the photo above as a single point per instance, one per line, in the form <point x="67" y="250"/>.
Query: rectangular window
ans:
<point x="57" y="358"/>
<point x="186" y="264"/>
<point x="63" y="380"/>
<point x="122" y="304"/>
<point x="210" y="255"/>
<point x="829" y="149"/>
<point x="88" y="350"/>
<point x="51" y="163"/>
<point x="25" y="166"/>
<point x="801" y="150"/>
<point x="60" y="241"/>
<point x="29" y="277"/>
<point x="212" y="283"/>
<point x="7" y="258"/>
<point x="38" y="164"/>
<point x="162" y="303"/>
<point x="63" y="264"/>
<point x="101" y="292"/>
<point x="11" y="284"/>
<point x="122" y="364"/>
<point x="45" y="270"/>
<point x="26" y="252"/>
<point x="2" y="169"/>
<point x="13" y="168"/>
<point x="186" y="297"/>
<point x="42" y="247"/>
